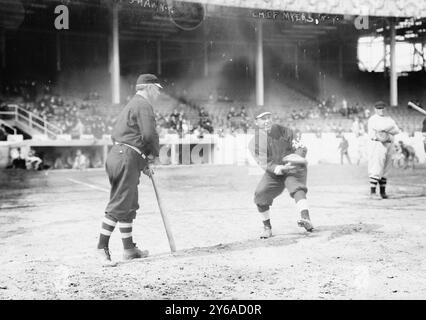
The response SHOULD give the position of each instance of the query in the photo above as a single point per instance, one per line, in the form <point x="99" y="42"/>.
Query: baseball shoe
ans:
<point x="305" y="223"/>
<point x="384" y="196"/>
<point x="375" y="196"/>
<point x="134" y="253"/>
<point x="267" y="233"/>
<point x="104" y="255"/>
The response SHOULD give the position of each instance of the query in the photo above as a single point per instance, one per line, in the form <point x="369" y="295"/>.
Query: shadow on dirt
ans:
<point x="11" y="233"/>
<point x="275" y="241"/>
<point x="348" y="229"/>
<point x="406" y="196"/>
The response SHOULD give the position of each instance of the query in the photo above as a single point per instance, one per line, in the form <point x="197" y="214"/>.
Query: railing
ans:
<point x="31" y="120"/>
<point x="8" y="126"/>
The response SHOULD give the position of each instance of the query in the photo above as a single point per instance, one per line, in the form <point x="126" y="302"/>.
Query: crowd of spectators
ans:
<point x="77" y="160"/>
<point x="92" y="116"/>
<point x="203" y="122"/>
<point x="71" y="117"/>
<point x="238" y="120"/>
<point x="329" y="108"/>
<point x="177" y="122"/>
<point x="75" y="117"/>
<point x="65" y="159"/>
<point x="31" y="161"/>
<point x="183" y="115"/>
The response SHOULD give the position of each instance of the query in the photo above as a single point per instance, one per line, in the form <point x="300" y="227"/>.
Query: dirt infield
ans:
<point x="360" y="249"/>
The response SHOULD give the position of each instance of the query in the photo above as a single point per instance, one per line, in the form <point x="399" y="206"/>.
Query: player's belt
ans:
<point x="131" y="147"/>
<point x="389" y="141"/>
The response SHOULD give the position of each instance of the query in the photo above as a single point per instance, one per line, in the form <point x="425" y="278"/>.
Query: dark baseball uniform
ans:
<point x="136" y="127"/>
<point x="280" y="142"/>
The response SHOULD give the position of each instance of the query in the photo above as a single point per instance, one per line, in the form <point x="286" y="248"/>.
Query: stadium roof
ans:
<point x="379" y="8"/>
<point x="227" y="21"/>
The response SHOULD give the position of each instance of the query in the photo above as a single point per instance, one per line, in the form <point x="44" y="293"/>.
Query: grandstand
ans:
<point x="314" y="63"/>
<point x="69" y="88"/>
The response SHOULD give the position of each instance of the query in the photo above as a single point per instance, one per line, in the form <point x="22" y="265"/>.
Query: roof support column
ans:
<point x="385" y="54"/>
<point x="58" y="52"/>
<point x="260" y="98"/>
<point x="340" y="61"/>
<point x="206" y="58"/>
<point x="393" y="73"/>
<point x="115" y="55"/>
<point x="296" y="61"/>
<point x="3" y="48"/>
<point x="159" y="58"/>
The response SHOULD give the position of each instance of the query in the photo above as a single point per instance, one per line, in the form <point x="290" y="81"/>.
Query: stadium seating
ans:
<point x="191" y="95"/>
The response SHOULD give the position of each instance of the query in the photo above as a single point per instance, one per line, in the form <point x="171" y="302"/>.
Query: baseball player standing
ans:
<point x="136" y="142"/>
<point x="344" y="149"/>
<point x="271" y="143"/>
<point x="381" y="131"/>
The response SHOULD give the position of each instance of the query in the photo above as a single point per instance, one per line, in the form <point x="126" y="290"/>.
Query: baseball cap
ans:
<point x="379" y="105"/>
<point x="148" y="79"/>
<point x="262" y="112"/>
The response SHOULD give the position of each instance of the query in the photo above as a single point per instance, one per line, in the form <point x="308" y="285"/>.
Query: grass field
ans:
<point x="360" y="249"/>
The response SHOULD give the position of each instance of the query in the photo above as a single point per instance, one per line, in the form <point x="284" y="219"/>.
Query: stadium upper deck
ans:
<point x="242" y="49"/>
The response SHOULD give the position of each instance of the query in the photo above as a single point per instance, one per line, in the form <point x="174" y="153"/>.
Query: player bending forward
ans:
<point x="281" y="154"/>
<point x="381" y="131"/>
<point x="134" y="134"/>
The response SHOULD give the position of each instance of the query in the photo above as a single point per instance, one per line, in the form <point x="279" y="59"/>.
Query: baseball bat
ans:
<point x="164" y="216"/>
<point x="416" y="107"/>
<point x="163" y="213"/>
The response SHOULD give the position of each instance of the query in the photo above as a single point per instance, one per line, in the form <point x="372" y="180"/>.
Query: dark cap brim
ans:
<point x="261" y="115"/>
<point x="380" y="105"/>
<point x="141" y="85"/>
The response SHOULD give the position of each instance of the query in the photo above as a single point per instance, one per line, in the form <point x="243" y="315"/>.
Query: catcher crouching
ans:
<point x="281" y="154"/>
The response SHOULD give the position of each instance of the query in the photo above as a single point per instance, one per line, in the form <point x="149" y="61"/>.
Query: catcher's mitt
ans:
<point x="294" y="159"/>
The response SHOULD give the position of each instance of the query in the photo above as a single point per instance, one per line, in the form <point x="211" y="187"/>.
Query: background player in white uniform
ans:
<point x="381" y="131"/>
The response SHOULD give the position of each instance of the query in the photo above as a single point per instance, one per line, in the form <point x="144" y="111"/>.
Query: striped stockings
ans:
<point x="381" y="182"/>
<point x="108" y="226"/>
<point x="126" y="234"/>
